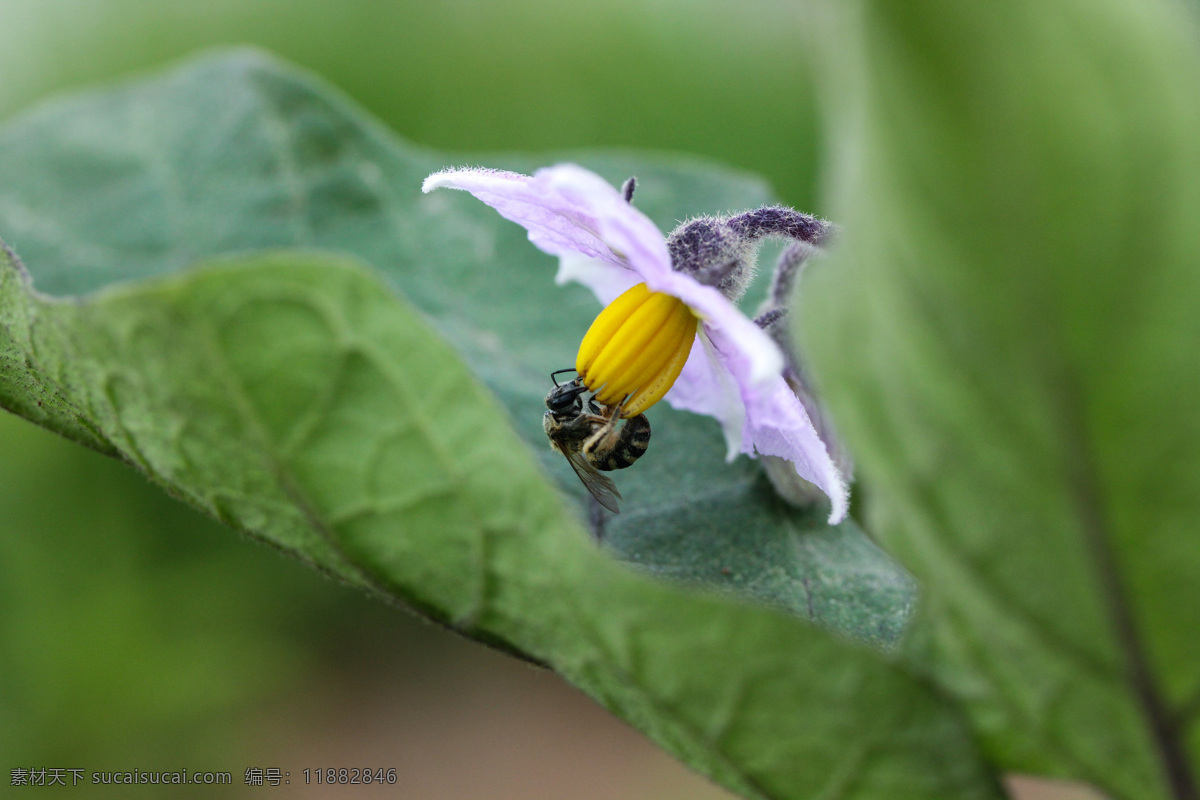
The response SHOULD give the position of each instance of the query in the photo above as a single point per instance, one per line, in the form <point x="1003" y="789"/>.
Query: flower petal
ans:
<point x="606" y="280"/>
<point x="777" y="425"/>
<point x="737" y="338"/>
<point x="567" y="210"/>
<point x="763" y="417"/>
<point x="706" y="386"/>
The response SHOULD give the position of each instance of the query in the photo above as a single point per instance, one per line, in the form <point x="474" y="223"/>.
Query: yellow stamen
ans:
<point x="607" y="323"/>
<point x="654" y="389"/>
<point x="647" y="361"/>
<point x="639" y="340"/>
<point x="636" y="348"/>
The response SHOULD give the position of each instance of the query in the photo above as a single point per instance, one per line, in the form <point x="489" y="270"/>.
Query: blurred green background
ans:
<point x="135" y="634"/>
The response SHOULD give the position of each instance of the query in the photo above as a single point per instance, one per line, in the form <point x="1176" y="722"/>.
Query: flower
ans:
<point x="734" y="371"/>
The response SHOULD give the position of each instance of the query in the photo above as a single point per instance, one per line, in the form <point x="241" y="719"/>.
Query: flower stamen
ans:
<point x="636" y="349"/>
<point x="607" y="323"/>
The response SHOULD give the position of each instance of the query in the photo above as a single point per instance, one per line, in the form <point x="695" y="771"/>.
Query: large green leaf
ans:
<point x="235" y="153"/>
<point x="1020" y="282"/>
<point x="298" y="399"/>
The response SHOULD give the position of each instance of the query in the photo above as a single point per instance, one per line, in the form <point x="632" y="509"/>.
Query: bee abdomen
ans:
<point x="633" y="441"/>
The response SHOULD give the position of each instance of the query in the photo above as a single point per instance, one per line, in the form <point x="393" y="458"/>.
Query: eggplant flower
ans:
<point x="670" y="326"/>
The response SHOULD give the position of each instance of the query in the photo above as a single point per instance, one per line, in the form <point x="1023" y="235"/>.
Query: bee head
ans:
<point x="566" y="398"/>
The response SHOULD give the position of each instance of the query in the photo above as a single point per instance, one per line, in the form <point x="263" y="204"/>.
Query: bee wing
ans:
<point x="601" y="486"/>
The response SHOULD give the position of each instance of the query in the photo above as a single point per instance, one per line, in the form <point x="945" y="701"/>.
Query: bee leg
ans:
<point x="597" y="519"/>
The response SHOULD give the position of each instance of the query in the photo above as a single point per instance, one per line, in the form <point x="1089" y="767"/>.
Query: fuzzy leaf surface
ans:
<point x="297" y="399"/>
<point x="1020" y="281"/>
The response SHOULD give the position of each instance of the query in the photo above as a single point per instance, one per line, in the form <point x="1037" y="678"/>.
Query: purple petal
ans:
<point x="733" y="333"/>
<point x="757" y="415"/>
<point x="606" y="280"/>
<point x="567" y="210"/>
<point x="706" y="386"/>
<point x="777" y="425"/>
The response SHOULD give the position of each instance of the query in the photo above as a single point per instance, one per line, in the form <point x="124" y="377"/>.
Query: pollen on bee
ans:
<point x="636" y="348"/>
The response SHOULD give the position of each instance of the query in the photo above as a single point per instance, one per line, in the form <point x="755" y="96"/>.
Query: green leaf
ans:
<point x="298" y="399"/>
<point x="236" y="153"/>
<point x="1019" y="279"/>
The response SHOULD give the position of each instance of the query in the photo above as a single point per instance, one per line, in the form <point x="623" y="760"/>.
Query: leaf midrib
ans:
<point x="1083" y="483"/>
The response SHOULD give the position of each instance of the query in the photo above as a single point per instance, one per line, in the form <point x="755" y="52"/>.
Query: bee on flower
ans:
<point x="670" y="328"/>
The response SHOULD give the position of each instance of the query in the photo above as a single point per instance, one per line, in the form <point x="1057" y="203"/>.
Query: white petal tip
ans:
<point x="435" y="181"/>
<point x="841" y="503"/>
<point x="472" y="179"/>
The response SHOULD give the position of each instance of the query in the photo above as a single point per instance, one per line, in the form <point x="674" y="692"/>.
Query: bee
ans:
<point x="593" y="440"/>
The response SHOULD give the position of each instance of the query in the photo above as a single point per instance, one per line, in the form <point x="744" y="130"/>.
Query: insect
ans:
<point x="593" y="440"/>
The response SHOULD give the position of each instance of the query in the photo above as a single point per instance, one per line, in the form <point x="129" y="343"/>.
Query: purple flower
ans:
<point x="734" y="371"/>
